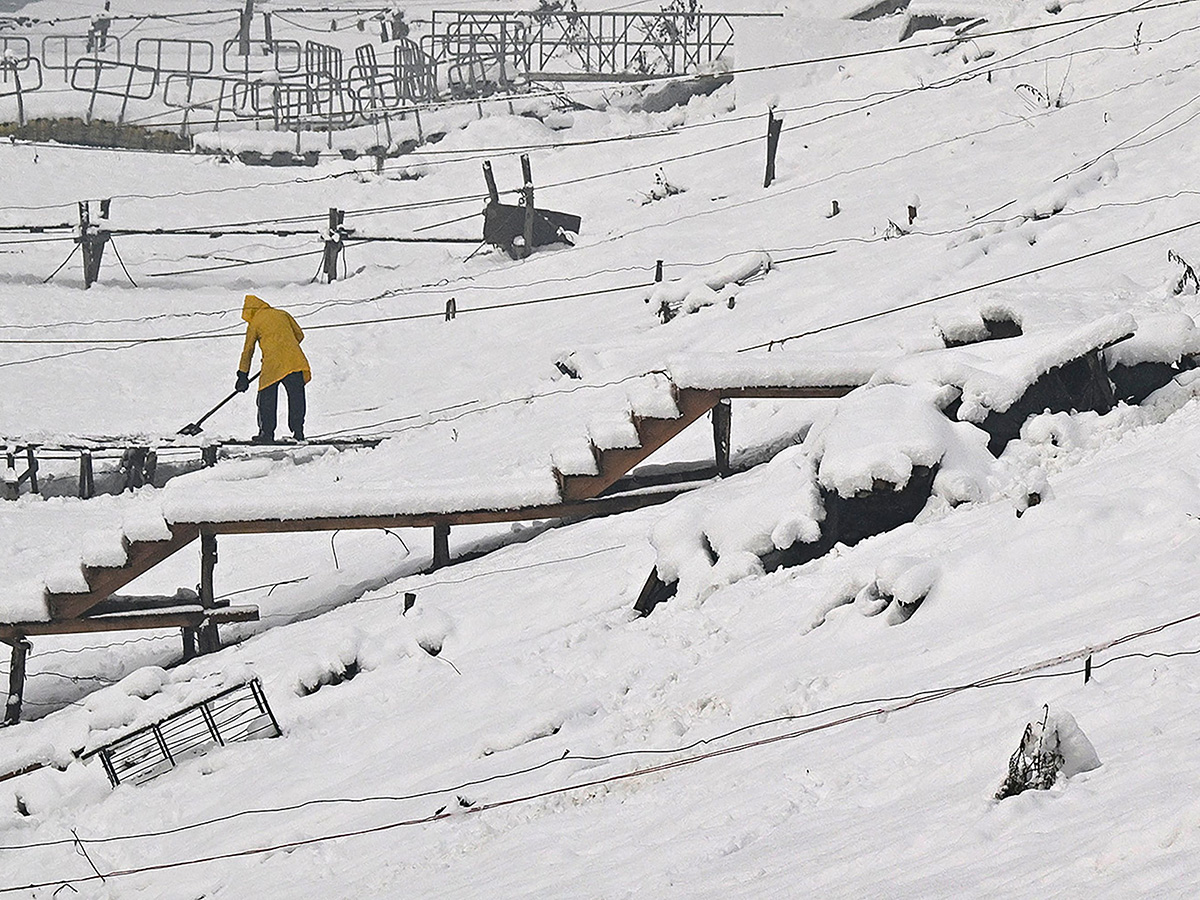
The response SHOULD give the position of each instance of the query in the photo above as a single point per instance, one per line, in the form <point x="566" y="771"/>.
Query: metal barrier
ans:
<point x="323" y="59"/>
<point x="237" y="714"/>
<point x="72" y="47"/>
<point x="576" y="44"/>
<point x="14" y="46"/>
<point x="174" y="55"/>
<point x="122" y="89"/>
<point x="11" y="84"/>
<point x="215" y="93"/>
<point x="284" y="57"/>
<point x="614" y="43"/>
<point x="468" y="54"/>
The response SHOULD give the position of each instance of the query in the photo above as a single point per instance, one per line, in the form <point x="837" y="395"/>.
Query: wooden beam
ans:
<point x="586" y="509"/>
<point x="788" y="393"/>
<point x="138" y="622"/>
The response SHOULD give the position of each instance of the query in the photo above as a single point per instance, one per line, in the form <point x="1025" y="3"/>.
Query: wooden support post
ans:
<point x="493" y="194"/>
<point x="267" y="30"/>
<point x="31" y="459"/>
<point x="441" y="545"/>
<point x="92" y="242"/>
<point x="527" y="172"/>
<point x="208" y="455"/>
<point x="11" y="484"/>
<point x="209" y="640"/>
<point x="16" y="681"/>
<point x="87" y="481"/>
<point x="658" y="271"/>
<point x="244" y="29"/>
<point x="189" y="643"/>
<point x="333" y="243"/>
<point x="722" y="420"/>
<point x="774" y="127"/>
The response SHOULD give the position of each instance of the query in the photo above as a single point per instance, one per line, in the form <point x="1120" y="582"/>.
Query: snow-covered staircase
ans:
<point x="104" y="580"/>
<point x="614" y="451"/>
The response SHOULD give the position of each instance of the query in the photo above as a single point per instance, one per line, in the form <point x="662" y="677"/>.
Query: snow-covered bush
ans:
<point x="1054" y="746"/>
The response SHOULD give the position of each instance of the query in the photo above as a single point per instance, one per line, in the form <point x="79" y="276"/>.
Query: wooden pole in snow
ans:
<point x="722" y="420"/>
<point x="333" y="244"/>
<point x="244" y="30"/>
<point x="493" y="194"/>
<point x="528" y="173"/>
<point x="774" y="127"/>
<point x="16" y="681"/>
<point x="210" y="641"/>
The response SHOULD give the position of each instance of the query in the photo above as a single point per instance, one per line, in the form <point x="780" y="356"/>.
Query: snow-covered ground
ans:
<point x="835" y="729"/>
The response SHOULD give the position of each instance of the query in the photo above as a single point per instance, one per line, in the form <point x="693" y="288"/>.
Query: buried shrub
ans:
<point x="1052" y="747"/>
<point x="314" y="681"/>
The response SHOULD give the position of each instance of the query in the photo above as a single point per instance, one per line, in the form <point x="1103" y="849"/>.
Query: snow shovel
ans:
<point x="194" y="428"/>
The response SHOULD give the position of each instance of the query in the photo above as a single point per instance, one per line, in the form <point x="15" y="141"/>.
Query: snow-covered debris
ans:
<point x="710" y="285"/>
<point x="970" y="325"/>
<point x="880" y="433"/>
<point x="720" y="534"/>
<point x="993" y="376"/>
<point x="1160" y="338"/>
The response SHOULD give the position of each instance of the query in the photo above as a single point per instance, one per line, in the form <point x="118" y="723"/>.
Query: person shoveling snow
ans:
<point x="277" y="333"/>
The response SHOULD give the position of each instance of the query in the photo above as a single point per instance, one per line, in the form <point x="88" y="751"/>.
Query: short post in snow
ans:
<point x="774" y="127"/>
<point x="31" y="460"/>
<point x="91" y="240"/>
<point x="1087" y="669"/>
<point x="441" y="545"/>
<point x="658" y="271"/>
<point x="9" y="480"/>
<point x="528" y="194"/>
<point x="16" y="681"/>
<point x="333" y="243"/>
<point x="722" y="420"/>
<point x="493" y="193"/>
<point x="87" y="480"/>
<point x="208" y="639"/>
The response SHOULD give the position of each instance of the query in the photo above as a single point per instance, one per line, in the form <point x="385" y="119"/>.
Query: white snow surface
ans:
<point x="801" y="733"/>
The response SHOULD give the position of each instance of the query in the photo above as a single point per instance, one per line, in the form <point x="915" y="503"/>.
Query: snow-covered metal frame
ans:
<point x="175" y="55"/>
<point x="239" y="713"/>
<point x="487" y="50"/>
<point x="285" y="57"/>
<point x="60" y="52"/>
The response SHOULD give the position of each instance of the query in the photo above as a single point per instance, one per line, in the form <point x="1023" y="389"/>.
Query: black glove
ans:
<point x="243" y="382"/>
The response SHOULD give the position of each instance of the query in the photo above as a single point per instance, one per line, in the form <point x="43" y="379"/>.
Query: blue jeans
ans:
<point x="268" y="402"/>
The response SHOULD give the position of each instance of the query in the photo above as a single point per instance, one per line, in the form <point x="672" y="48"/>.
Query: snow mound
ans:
<point x="718" y="535"/>
<point x="883" y="432"/>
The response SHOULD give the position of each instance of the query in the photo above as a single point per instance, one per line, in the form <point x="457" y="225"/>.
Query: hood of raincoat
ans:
<point x="252" y="305"/>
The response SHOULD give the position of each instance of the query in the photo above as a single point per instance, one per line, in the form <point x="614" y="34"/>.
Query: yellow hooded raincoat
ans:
<point x="279" y="336"/>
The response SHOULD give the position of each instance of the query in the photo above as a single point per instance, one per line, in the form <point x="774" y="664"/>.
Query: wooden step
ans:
<point x="103" y="581"/>
<point x="652" y="432"/>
